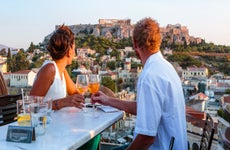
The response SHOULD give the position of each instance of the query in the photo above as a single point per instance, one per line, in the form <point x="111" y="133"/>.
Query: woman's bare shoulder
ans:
<point x="47" y="70"/>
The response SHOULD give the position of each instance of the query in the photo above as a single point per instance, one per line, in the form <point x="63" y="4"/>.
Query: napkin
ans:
<point x="107" y="108"/>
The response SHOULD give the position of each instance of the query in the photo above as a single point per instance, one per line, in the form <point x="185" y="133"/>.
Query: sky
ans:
<point x="26" y="21"/>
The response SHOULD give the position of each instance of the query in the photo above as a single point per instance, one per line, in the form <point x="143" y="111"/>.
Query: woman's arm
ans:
<point x="45" y="78"/>
<point x="75" y="100"/>
<point x="70" y="85"/>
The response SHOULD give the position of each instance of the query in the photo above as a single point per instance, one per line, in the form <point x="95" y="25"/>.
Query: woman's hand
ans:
<point x="75" y="100"/>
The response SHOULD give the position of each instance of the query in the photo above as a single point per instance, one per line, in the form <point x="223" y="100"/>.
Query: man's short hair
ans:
<point x="146" y="35"/>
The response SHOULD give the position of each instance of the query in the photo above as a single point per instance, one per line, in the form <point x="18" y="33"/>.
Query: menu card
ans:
<point x="107" y="108"/>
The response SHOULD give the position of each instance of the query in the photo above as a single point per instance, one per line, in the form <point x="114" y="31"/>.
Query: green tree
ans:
<point x="9" y="53"/>
<point x="227" y="91"/>
<point x="31" y="48"/>
<point x="132" y="54"/>
<point x="19" y="62"/>
<point x="9" y="60"/>
<point x="111" y="65"/>
<point x="109" y="83"/>
<point x="36" y="64"/>
<point x="115" y="53"/>
<point x="70" y="68"/>
<point x="185" y="60"/>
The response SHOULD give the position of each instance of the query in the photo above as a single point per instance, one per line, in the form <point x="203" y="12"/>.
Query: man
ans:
<point x="160" y="106"/>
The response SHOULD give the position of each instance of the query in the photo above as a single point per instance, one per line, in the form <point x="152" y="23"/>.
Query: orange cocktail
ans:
<point x="94" y="84"/>
<point x="82" y="89"/>
<point x="94" y="87"/>
<point x="82" y="84"/>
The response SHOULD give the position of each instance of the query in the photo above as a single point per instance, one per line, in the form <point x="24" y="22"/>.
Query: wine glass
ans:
<point x="82" y="84"/>
<point x="94" y="84"/>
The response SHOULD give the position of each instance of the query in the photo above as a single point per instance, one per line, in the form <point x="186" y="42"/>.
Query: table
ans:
<point x="70" y="128"/>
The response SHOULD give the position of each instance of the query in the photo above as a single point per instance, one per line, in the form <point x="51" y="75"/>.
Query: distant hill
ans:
<point x="4" y="50"/>
<point x="5" y="47"/>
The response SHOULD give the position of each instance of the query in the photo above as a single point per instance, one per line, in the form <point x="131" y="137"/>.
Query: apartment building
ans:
<point x="195" y="72"/>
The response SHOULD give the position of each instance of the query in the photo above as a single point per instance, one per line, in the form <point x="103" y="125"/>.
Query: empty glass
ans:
<point x="49" y="111"/>
<point x="38" y="109"/>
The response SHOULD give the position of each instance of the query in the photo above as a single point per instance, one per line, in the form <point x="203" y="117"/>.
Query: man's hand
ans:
<point x="100" y="97"/>
<point x="142" y="142"/>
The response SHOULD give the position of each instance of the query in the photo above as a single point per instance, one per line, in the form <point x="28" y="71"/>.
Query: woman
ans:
<point x="53" y="81"/>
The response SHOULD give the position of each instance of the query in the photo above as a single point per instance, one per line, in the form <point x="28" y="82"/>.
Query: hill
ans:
<point x="118" y="29"/>
<point x="5" y="47"/>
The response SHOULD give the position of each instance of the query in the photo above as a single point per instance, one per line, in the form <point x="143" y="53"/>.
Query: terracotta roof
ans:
<point x="194" y="113"/>
<point x="227" y="137"/>
<point x="106" y="74"/>
<point x="227" y="99"/>
<point x="222" y="84"/>
<point x="200" y="95"/>
<point x="197" y="118"/>
<point x="6" y="73"/>
<point x="134" y="70"/>
<point x="195" y="69"/>
<point x="22" y="72"/>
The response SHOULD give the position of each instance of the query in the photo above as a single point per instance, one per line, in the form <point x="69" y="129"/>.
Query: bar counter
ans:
<point x="70" y="128"/>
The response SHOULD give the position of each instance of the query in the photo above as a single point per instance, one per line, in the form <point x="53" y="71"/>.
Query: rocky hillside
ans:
<point x="118" y="29"/>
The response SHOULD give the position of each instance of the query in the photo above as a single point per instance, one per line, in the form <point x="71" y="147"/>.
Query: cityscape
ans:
<point x="106" y="49"/>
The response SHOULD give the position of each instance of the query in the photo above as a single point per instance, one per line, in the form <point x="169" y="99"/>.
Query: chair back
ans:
<point x="171" y="143"/>
<point x="8" y="108"/>
<point x="208" y="132"/>
<point x="3" y="87"/>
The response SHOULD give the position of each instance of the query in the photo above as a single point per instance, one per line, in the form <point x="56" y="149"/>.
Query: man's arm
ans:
<point x="128" y="106"/>
<point x="142" y="142"/>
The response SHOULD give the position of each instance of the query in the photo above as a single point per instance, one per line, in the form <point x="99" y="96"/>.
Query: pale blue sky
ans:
<point x="25" y="21"/>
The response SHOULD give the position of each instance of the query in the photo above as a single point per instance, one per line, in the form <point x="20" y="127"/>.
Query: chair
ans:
<point x="8" y="108"/>
<point x="3" y="87"/>
<point x="208" y="132"/>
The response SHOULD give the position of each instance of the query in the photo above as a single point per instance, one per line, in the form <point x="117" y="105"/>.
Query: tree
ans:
<point x="109" y="83"/>
<point x="111" y="65"/>
<point x="115" y="53"/>
<point x="31" y="48"/>
<point x="227" y="91"/>
<point x="69" y="69"/>
<point x="9" y="53"/>
<point x="19" y="62"/>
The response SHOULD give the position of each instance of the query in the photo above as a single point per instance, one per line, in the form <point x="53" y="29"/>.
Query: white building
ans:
<point x="84" y="52"/>
<point x="194" y="72"/>
<point x="22" y="78"/>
